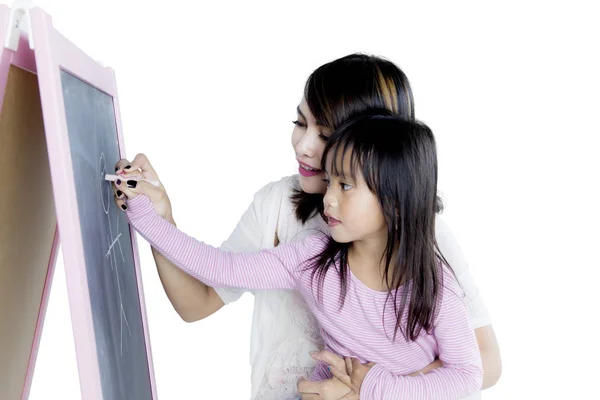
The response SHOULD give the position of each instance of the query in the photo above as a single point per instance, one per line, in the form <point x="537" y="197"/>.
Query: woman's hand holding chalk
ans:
<point x="112" y="178"/>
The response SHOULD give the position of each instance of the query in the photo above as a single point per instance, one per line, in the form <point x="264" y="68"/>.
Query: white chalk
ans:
<point x="113" y="178"/>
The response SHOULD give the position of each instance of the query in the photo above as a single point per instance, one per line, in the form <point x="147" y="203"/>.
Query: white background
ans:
<point x="511" y="90"/>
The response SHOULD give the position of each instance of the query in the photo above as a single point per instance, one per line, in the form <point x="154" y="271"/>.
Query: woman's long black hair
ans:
<point x="346" y="87"/>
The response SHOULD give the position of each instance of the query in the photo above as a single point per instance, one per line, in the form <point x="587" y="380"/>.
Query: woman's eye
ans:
<point x="326" y="181"/>
<point x="323" y="137"/>
<point x="299" y="123"/>
<point x="346" y="186"/>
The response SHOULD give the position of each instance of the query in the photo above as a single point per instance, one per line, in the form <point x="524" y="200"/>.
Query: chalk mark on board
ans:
<point x="112" y="243"/>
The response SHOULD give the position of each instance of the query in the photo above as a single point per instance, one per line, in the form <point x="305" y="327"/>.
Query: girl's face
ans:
<point x="353" y="212"/>
<point x="308" y="140"/>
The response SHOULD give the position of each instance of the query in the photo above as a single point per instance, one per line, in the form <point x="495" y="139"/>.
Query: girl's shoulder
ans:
<point x="449" y="282"/>
<point x="451" y="293"/>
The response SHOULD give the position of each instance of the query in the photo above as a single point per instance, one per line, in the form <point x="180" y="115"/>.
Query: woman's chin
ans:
<point x="312" y="184"/>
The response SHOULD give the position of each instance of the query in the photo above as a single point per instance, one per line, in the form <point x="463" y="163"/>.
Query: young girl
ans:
<point x="379" y="287"/>
<point x="284" y="330"/>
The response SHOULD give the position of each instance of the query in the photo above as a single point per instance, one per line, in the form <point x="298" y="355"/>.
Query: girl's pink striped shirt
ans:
<point x="362" y="328"/>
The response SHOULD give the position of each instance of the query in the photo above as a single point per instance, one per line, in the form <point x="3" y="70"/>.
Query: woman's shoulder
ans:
<point x="293" y="182"/>
<point x="273" y="187"/>
<point x="273" y="192"/>
<point x="441" y="227"/>
<point x="285" y="186"/>
<point x="278" y="194"/>
<point x="274" y="200"/>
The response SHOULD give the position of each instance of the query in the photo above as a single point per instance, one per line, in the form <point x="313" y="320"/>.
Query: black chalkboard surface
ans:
<point x="107" y="246"/>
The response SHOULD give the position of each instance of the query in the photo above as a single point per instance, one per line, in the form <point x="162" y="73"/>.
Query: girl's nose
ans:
<point x="329" y="200"/>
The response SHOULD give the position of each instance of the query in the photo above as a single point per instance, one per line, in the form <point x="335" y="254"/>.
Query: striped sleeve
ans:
<point x="320" y="372"/>
<point x="268" y="269"/>
<point x="248" y="234"/>
<point x="461" y="374"/>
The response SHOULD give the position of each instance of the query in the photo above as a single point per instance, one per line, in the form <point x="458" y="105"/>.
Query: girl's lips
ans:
<point x="332" y="221"/>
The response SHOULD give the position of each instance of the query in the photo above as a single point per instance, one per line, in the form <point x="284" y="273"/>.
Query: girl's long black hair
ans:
<point x="398" y="161"/>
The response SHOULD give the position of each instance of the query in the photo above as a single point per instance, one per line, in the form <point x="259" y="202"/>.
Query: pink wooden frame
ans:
<point x="54" y="53"/>
<point x="24" y="58"/>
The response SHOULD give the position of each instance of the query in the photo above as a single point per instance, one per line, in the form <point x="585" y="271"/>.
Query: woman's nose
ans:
<point x="308" y="144"/>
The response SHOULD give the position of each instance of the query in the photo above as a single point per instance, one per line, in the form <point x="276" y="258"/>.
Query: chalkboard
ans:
<point x="109" y="260"/>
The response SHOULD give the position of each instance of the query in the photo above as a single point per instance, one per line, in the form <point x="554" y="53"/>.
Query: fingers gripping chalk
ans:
<point x="113" y="178"/>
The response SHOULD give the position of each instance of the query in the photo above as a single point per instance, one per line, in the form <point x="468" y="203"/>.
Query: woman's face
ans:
<point x="308" y="140"/>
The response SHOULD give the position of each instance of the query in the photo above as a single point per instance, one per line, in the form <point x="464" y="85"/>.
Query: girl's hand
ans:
<point x="125" y="188"/>
<point x="349" y="371"/>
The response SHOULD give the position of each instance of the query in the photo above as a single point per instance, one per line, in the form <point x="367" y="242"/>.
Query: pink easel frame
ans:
<point x="24" y="58"/>
<point x="53" y="53"/>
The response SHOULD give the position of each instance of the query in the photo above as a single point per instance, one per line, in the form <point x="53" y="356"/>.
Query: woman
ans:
<point x="284" y="332"/>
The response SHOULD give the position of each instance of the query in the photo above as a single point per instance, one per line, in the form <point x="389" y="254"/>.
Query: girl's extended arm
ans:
<point x="269" y="269"/>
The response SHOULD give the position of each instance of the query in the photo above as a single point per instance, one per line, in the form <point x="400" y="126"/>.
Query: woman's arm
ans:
<point x="247" y="237"/>
<point x="192" y="299"/>
<point x="490" y="355"/>
<point x="480" y="318"/>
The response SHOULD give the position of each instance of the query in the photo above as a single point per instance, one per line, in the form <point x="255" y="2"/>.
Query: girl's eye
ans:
<point x="346" y="186"/>
<point x="299" y="123"/>
<point x="323" y="137"/>
<point x="326" y="181"/>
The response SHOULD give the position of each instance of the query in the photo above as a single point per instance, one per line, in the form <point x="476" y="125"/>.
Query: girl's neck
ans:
<point x="367" y="261"/>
